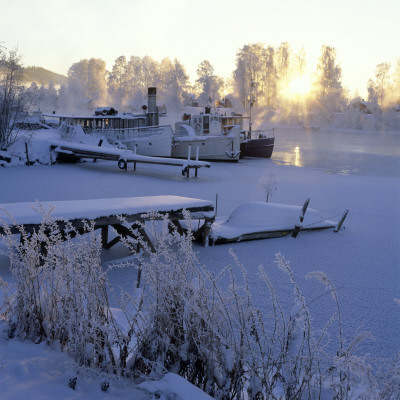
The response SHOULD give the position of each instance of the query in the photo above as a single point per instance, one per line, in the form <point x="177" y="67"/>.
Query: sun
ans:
<point x="300" y="86"/>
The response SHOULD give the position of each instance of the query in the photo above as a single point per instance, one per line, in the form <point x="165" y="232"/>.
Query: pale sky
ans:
<point x="54" y="34"/>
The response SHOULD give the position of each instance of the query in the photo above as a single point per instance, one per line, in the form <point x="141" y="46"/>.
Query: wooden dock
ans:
<point x="123" y="157"/>
<point x="107" y="213"/>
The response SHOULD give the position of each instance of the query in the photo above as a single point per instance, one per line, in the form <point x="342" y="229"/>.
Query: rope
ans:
<point x="323" y="219"/>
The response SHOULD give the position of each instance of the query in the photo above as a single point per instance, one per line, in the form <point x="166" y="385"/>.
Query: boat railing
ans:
<point x="260" y="133"/>
<point x="131" y="133"/>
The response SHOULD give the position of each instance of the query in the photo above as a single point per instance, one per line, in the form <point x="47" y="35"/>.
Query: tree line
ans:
<point x="262" y="78"/>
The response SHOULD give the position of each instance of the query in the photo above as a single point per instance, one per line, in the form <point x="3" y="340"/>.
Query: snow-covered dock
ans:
<point x="106" y="213"/>
<point x="123" y="157"/>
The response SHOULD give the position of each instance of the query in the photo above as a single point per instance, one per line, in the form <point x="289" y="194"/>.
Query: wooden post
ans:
<point x="27" y="154"/>
<point x="296" y="231"/>
<point x="139" y="275"/>
<point x="341" y="221"/>
<point x="104" y="235"/>
<point x="206" y="232"/>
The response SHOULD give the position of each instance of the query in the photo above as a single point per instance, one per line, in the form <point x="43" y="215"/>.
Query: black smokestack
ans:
<point x="152" y="112"/>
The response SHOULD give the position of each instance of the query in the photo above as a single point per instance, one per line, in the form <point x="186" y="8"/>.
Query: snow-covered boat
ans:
<point x="258" y="220"/>
<point x="140" y="132"/>
<point x="208" y="136"/>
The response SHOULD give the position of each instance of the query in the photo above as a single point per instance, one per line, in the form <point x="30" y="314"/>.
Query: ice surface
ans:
<point x="356" y="171"/>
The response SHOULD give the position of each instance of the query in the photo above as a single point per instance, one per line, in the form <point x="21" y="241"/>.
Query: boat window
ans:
<point x="206" y="124"/>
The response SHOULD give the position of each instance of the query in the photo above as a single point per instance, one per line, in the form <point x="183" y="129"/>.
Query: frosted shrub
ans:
<point x="270" y="185"/>
<point x="61" y="293"/>
<point x="187" y="329"/>
<point x="183" y="319"/>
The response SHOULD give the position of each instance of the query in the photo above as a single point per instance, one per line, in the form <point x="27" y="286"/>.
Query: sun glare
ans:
<point x="299" y="87"/>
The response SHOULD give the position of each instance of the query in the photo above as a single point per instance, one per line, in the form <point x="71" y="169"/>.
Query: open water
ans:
<point x="345" y="153"/>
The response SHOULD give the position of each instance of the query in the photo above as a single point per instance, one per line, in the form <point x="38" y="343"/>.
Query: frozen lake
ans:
<point x="359" y="171"/>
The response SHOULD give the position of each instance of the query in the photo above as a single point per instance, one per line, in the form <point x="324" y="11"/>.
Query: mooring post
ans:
<point x="206" y="232"/>
<point x="27" y="154"/>
<point x="104" y="235"/>
<point x="341" y="221"/>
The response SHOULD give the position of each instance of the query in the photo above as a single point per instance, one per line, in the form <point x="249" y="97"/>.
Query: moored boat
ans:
<point x="207" y="136"/>
<point x="258" y="220"/>
<point x="257" y="144"/>
<point x="140" y="132"/>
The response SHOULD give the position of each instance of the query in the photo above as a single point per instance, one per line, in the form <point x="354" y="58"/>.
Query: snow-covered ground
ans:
<point x="359" y="171"/>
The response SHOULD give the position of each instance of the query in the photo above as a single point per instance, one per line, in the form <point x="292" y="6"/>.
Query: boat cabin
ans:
<point x="102" y="121"/>
<point x="208" y="123"/>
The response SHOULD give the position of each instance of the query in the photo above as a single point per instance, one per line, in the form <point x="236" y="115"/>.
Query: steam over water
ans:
<point x="343" y="153"/>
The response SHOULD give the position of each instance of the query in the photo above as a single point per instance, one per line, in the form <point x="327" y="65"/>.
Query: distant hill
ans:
<point x="42" y="76"/>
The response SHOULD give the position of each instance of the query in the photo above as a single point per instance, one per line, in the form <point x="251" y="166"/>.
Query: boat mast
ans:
<point x="252" y="84"/>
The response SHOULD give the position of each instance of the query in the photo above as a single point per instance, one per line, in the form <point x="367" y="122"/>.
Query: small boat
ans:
<point x="258" y="143"/>
<point x="140" y="132"/>
<point x="258" y="220"/>
<point x="211" y="136"/>
<point x="220" y="137"/>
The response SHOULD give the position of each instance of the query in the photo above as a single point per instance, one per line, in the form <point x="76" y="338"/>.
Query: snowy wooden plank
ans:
<point x="104" y="212"/>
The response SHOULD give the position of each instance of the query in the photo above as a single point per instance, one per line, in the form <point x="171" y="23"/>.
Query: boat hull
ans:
<point x="158" y="145"/>
<point x="209" y="147"/>
<point x="261" y="148"/>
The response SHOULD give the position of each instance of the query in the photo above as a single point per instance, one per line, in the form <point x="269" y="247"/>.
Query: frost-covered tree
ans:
<point x="396" y="83"/>
<point x="117" y="81"/>
<point x="300" y="61"/>
<point x="136" y="94"/>
<point x="208" y="84"/>
<point x="165" y="74"/>
<point x="282" y="60"/>
<point x="255" y="65"/>
<point x="329" y="80"/>
<point x="87" y="81"/>
<point x="382" y="81"/>
<point x="269" y="81"/>
<point x="51" y="97"/>
<point x="177" y="86"/>
<point x="12" y="101"/>
<point x="256" y="75"/>
<point x="33" y="92"/>
<point x="372" y="92"/>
